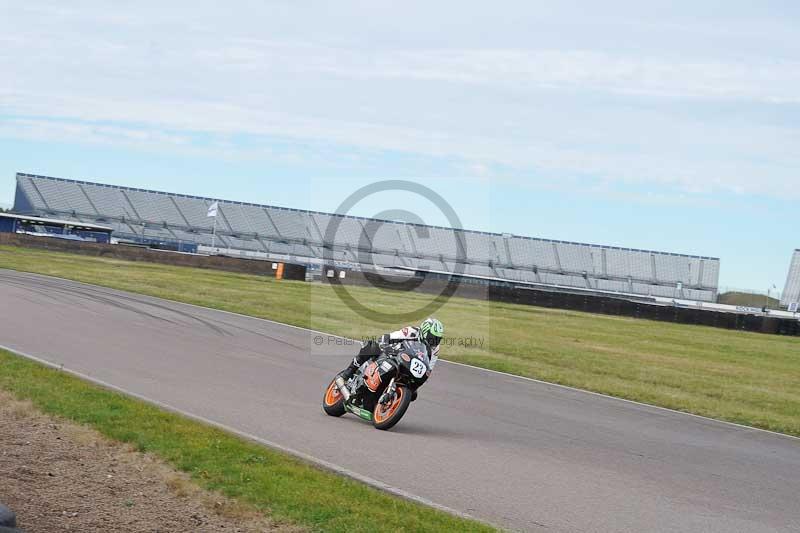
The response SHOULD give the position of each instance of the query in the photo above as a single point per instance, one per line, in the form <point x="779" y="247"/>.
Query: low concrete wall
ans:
<point x="137" y="253"/>
<point x="624" y="307"/>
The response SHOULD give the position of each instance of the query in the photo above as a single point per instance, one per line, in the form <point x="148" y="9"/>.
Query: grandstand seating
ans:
<point x="486" y="248"/>
<point x="348" y="231"/>
<point x="791" y="292"/>
<point x="390" y="237"/>
<point x="136" y="214"/>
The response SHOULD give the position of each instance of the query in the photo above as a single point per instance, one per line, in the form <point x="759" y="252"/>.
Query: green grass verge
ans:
<point x="743" y="377"/>
<point x="278" y="484"/>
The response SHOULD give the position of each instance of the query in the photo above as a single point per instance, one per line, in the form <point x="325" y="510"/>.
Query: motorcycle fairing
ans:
<point x="372" y="377"/>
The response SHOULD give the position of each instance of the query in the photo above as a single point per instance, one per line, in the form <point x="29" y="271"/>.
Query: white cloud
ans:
<point x="765" y="81"/>
<point x="157" y="75"/>
<point x="48" y="130"/>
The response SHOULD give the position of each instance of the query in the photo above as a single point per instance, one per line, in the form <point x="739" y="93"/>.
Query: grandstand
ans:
<point x="264" y="231"/>
<point x="791" y="292"/>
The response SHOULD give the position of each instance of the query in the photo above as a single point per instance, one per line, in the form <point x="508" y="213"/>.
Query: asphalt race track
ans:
<point x="517" y="453"/>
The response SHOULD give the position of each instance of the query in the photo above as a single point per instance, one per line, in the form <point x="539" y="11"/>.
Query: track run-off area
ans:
<point x="514" y="452"/>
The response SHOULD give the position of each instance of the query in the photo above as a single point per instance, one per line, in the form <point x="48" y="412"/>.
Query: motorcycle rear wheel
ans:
<point x="386" y="416"/>
<point x="333" y="401"/>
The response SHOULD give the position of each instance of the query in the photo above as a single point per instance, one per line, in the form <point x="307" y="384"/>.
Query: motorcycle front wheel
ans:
<point x="333" y="401"/>
<point x="389" y="414"/>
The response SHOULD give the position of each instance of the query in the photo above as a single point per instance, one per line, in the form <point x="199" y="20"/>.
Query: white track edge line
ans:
<point x="326" y="465"/>
<point x="525" y="378"/>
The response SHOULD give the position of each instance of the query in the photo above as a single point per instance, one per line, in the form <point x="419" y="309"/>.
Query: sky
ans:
<point x="672" y="126"/>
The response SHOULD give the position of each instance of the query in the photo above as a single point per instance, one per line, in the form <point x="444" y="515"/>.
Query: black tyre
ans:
<point x="333" y="401"/>
<point x="386" y="416"/>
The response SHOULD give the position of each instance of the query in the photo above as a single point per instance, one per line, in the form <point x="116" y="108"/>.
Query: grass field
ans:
<point x="749" y="300"/>
<point x="287" y="489"/>
<point x="748" y="378"/>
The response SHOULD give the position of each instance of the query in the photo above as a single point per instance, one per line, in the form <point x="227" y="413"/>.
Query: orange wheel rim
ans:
<point x="385" y="412"/>
<point x="332" y="395"/>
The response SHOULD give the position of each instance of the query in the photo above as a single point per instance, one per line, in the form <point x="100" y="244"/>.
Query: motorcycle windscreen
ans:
<point x="418" y="350"/>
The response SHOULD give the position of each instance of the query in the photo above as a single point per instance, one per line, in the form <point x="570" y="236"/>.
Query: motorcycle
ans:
<point x="381" y="390"/>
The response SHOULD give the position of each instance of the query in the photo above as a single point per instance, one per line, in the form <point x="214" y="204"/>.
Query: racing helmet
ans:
<point x="431" y="332"/>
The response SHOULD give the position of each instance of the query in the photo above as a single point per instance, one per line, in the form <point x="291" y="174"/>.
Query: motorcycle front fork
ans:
<point x="388" y="394"/>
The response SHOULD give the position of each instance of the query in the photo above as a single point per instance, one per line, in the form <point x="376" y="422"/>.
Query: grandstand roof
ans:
<point x="56" y="221"/>
<point x="306" y="211"/>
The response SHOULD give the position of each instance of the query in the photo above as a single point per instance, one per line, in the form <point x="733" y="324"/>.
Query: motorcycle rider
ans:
<point x="430" y="333"/>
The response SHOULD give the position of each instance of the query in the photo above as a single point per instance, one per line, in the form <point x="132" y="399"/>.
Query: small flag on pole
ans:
<point x="212" y="209"/>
